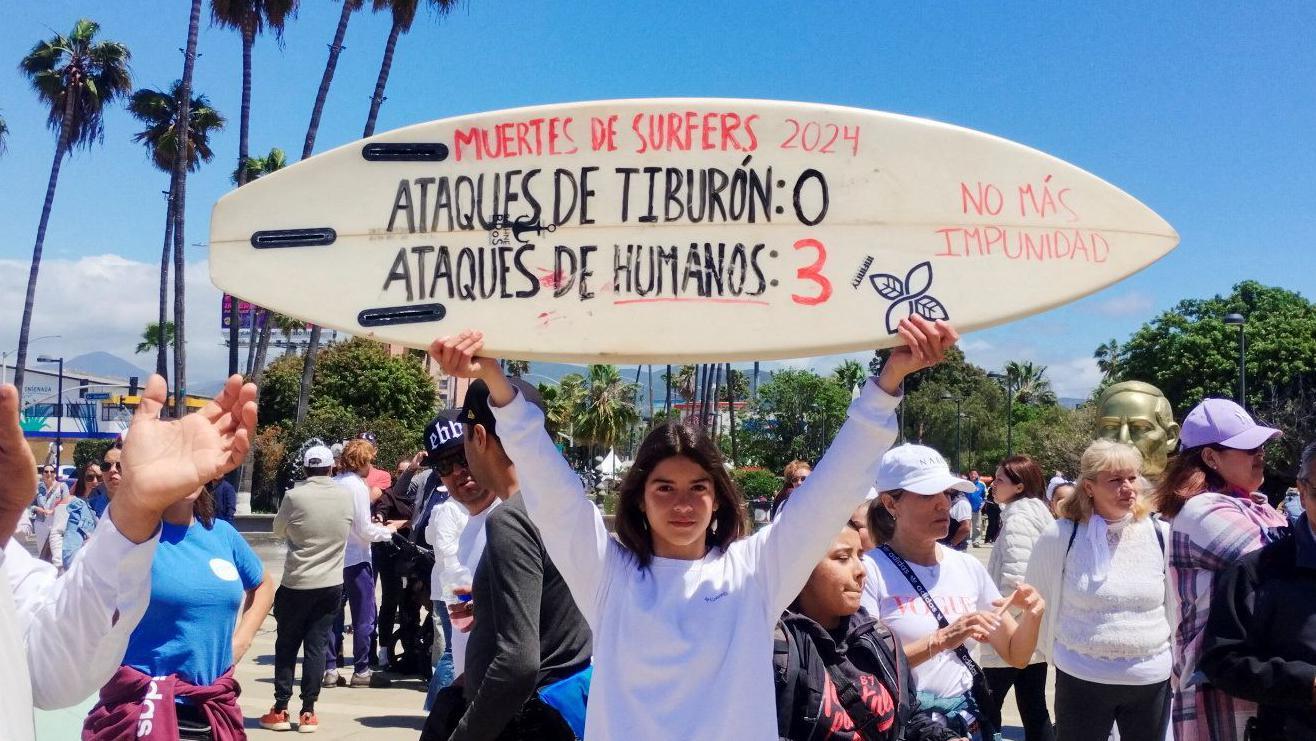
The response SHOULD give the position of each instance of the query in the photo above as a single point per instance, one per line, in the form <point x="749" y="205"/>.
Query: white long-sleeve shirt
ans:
<point x="470" y="549"/>
<point x="364" y="531"/>
<point x="447" y="520"/>
<point x="683" y="649"/>
<point x="59" y="639"/>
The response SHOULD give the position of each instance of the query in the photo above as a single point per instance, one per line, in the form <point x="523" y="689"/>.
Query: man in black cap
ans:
<point x="520" y="601"/>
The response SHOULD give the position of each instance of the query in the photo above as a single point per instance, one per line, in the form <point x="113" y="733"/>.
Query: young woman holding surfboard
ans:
<point x="681" y="606"/>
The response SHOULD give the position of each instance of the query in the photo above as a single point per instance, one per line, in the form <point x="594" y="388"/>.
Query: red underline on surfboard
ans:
<point x="690" y="301"/>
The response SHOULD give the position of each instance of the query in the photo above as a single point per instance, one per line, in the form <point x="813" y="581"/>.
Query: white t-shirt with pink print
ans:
<point x="959" y="584"/>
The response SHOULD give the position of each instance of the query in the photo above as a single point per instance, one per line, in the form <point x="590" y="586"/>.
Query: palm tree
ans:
<point x="1030" y="383"/>
<point x="76" y="77"/>
<point x="287" y="325"/>
<point x="179" y="199"/>
<point x="154" y="335"/>
<point x="1108" y="359"/>
<point x="4" y="133"/>
<point x="159" y="112"/>
<point x="609" y="411"/>
<point x="562" y="403"/>
<point x="249" y="17"/>
<point x="312" y="129"/>
<point x="404" y="13"/>
<point x="850" y="374"/>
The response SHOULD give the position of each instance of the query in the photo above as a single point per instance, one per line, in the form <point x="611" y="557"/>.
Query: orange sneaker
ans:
<point x="308" y="723"/>
<point x="276" y="720"/>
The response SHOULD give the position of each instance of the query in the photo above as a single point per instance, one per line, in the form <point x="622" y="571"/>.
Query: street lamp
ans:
<point x="4" y="362"/>
<point x="1009" y="410"/>
<point x="1241" y="322"/>
<point x="959" y="422"/>
<point x="59" y="404"/>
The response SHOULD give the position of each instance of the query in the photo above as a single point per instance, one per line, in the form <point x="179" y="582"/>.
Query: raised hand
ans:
<point x="18" y="469"/>
<point x="166" y="460"/>
<point x="1026" y="598"/>
<point x="925" y="345"/>
<point x="460" y="355"/>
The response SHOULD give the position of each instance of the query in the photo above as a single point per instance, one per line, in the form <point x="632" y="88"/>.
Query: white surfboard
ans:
<point x="676" y="230"/>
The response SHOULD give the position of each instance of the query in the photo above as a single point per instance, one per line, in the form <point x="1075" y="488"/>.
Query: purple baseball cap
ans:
<point x="1222" y="422"/>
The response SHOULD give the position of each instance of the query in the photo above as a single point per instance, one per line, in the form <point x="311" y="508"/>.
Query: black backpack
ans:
<point x="801" y="665"/>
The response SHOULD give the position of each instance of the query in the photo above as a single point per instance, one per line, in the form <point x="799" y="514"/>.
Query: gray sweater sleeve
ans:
<point x="514" y="562"/>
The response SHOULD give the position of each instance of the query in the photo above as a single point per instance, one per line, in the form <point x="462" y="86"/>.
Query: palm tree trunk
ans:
<point x="24" y="329"/>
<point x="754" y="393"/>
<point x="264" y="319"/>
<point x="180" y="208"/>
<point x="667" y="402"/>
<point x="377" y="100"/>
<point x="313" y="345"/>
<point x="717" y="383"/>
<point x="651" y="396"/>
<point x="244" y="132"/>
<point x="731" y="410"/>
<point x="161" y="340"/>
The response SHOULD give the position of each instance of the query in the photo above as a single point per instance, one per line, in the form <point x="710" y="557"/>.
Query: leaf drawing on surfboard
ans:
<point x="888" y="286"/>
<point x="910" y="295"/>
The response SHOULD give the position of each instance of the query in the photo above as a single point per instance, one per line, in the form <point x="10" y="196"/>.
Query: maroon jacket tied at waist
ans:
<point x="134" y="705"/>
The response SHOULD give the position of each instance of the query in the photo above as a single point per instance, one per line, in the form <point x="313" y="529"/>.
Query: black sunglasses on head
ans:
<point x="445" y="466"/>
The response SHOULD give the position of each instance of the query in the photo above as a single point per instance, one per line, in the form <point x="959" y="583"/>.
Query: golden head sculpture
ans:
<point x="1138" y="414"/>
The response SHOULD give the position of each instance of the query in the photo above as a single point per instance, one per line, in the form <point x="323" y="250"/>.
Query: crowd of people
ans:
<point x="1171" y="601"/>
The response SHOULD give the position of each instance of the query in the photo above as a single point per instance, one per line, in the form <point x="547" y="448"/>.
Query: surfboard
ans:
<point x="675" y="230"/>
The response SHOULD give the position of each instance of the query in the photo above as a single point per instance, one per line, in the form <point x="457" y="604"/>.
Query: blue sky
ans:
<point x="1203" y="112"/>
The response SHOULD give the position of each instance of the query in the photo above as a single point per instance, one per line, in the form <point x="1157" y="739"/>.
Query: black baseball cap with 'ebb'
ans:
<point x="476" y="411"/>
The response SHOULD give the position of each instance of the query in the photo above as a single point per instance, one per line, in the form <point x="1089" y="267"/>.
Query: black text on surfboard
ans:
<point x="743" y="194"/>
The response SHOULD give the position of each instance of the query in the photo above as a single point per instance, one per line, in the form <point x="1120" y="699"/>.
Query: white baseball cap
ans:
<point x="318" y="456"/>
<point x="919" y="469"/>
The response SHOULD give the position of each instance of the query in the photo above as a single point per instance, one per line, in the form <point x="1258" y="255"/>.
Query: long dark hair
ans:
<point x="204" y="508"/>
<point x="80" y="488"/>
<point x="1185" y="477"/>
<point x="667" y="441"/>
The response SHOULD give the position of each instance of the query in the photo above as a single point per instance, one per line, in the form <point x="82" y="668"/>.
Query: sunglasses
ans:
<point x="445" y="466"/>
<point x="93" y="477"/>
<point x="111" y="466"/>
<point x="47" y="470"/>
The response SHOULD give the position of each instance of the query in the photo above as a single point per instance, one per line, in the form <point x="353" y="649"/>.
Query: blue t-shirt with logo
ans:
<point x="978" y="495"/>
<point x="199" y="580"/>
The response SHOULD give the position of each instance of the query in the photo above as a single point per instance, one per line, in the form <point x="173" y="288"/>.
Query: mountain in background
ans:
<point x="104" y="364"/>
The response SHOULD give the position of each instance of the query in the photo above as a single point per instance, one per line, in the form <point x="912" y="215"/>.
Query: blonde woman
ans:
<point x="1101" y="568"/>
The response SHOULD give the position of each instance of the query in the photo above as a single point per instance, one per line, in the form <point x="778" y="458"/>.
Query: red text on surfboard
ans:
<point x="659" y="131"/>
<point x="1045" y="202"/>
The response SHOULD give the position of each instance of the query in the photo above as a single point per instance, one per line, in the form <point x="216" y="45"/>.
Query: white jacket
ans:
<point x="1022" y="522"/>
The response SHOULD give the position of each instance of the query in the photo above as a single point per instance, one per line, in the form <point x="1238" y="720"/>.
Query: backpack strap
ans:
<point x="1160" y="536"/>
<point x="786" y="673"/>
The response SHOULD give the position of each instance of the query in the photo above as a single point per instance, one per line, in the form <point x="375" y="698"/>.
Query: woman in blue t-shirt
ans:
<point x="209" y="595"/>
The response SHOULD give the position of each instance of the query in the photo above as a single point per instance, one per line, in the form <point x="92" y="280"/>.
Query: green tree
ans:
<point x="1030" y="384"/>
<point x="358" y="375"/>
<point x="608" y="410"/>
<point x="250" y="18"/>
<point x="91" y="450"/>
<point x="797" y="414"/>
<point x="156" y="336"/>
<point x="1108" y="359"/>
<point x="76" y="77"/>
<point x="850" y="374"/>
<point x="517" y="368"/>
<point x="308" y="146"/>
<point x="563" y="402"/>
<point x="1190" y="353"/>
<point x="159" y="111"/>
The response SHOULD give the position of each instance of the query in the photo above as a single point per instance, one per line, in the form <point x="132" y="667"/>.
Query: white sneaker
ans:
<point x="331" y="679"/>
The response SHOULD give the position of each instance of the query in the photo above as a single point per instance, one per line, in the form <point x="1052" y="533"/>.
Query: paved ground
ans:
<point x="345" y="713"/>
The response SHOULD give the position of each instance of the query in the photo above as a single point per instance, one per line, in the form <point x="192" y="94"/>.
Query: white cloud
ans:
<point x="1130" y="303"/>
<point x="1074" y="378"/>
<point x="103" y="302"/>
